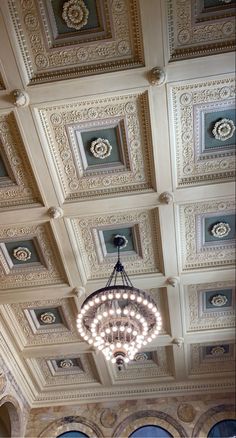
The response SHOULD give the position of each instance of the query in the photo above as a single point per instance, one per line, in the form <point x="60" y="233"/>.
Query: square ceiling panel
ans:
<point x="211" y="358"/>
<point x="203" y="131"/>
<point x="101" y="147"/>
<point x="43" y="322"/>
<point x="98" y="260"/>
<point x="29" y="257"/>
<point x="145" y="366"/>
<point x="204" y="244"/>
<point x="200" y="28"/>
<point x="55" y="43"/>
<point x="66" y="371"/>
<point x="17" y="183"/>
<point x="209" y="306"/>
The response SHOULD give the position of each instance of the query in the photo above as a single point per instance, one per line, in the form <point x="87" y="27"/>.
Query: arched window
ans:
<point x="150" y="432"/>
<point x="73" y="434"/>
<point x="225" y="428"/>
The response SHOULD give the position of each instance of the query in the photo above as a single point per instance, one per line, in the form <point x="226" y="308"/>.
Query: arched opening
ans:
<point x="73" y="434"/>
<point x="5" y="422"/>
<point x="225" y="428"/>
<point x="150" y="431"/>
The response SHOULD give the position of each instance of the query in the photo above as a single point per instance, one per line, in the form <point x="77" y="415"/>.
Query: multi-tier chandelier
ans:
<point x="119" y="319"/>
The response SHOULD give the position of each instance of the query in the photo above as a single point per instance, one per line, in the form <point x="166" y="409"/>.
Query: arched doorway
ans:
<point x="10" y="423"/>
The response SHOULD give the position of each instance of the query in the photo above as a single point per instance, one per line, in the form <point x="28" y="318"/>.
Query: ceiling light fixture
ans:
<point x="119" y="319"/>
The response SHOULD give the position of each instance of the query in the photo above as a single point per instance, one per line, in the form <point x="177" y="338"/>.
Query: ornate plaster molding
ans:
<point x="75" y="14"/>
<point x="223" y="129"/>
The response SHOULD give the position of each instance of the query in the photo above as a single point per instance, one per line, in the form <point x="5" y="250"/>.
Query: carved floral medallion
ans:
<point x="66" y="363"/>
<point x="22" y="254"/>
<point x="75" y="14"/>
<point x="220" y="230"/>
<point x="101" y="148"/>
<point x="219" y="300"/>
<point x="141" y="357"/>
<point x="124" y="239"/>
<point x="48" y="318"/>
<point x="223" y="129"/>
<point x="217" y="351"/>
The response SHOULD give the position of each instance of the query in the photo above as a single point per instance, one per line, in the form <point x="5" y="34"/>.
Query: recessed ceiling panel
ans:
<point x="97" y="259"/>
<point x="67" y="39"/>
<point x="203" y="131"/>
<point x="17" y="183"/>
<point x="101" y="147"/>
<point x="200" y="27"/>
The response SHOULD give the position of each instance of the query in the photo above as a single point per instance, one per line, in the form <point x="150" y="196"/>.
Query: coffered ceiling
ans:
<point x="96" y="141"/>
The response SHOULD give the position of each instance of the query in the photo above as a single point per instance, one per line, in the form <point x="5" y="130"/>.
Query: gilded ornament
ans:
<point x="223" y="129"/>
<point x="101" y="148"/>
<point x="75" y="14"/>
<point x="47" y="318"/>
<point x="218" y="300"/>
<point x="186" y="412"/>
<point x="66" y="363"/>
<point x="220" y="230"/>
<point x="22" y="254"/>
<point x="217" y="351"/>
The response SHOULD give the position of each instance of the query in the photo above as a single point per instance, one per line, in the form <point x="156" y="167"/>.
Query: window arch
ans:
<point x="139" y="420"/>
<point x="150" y="431"/>
<point x="225" y="428"/>
<point x="210" y="418"/>
<point x="73" y="434"/>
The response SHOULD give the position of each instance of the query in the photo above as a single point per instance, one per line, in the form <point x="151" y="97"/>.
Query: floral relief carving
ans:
<point x="223" y="129"/>
<point x="189" y="103"/>
<point x="194" y="254"/>
<point x="22" y="254"/>
<point x="217" y="351"/>
<point x="101" y="148"/>
<point x="220" y="230"/>
<point x="48" y="318"/>
<point x="219" y="300"/>
<point x="75" y="14"/>
<point x="123" y="31"/>
<point x="66" y="363"/>
<point x="59" y="124"/>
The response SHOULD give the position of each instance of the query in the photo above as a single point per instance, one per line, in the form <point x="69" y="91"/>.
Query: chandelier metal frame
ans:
<point x="119" y="319"/>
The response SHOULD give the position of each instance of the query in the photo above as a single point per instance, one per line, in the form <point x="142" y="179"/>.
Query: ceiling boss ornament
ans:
<point x="219" y="300"/>
<point x="22" y="254"/>
<point x="220" y="230"/>
<point x="101" y="148"/>
<point x="223" y="129"/>
<point x="75" y="14"/>
<point x="119" y="319"/>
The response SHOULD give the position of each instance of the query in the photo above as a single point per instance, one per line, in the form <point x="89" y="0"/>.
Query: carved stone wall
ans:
<point x="181" y="416"/>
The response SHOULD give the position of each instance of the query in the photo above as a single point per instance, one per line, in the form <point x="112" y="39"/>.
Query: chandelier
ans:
<point x="119" y="319"/>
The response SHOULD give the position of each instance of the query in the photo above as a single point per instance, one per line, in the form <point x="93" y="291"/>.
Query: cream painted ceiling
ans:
<point x="167" y="184"/>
